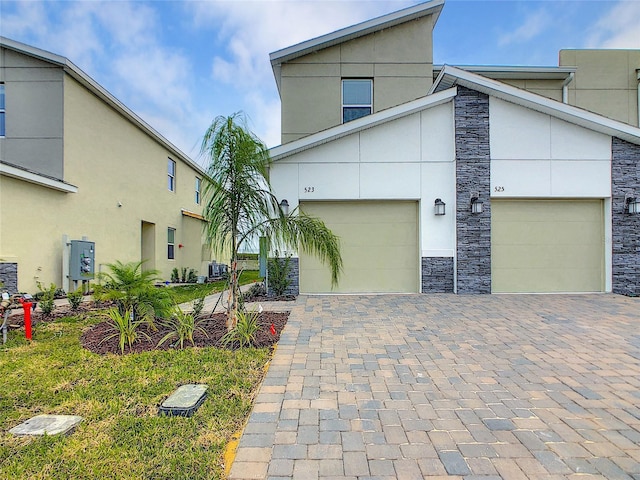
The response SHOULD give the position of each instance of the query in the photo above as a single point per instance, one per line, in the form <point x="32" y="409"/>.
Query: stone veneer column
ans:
<point x="9" y="276"/>
<point x="473" y="158"/>
<point x="625" y="178"/>
<point x="294" y="277"/>
<point x="437" y="274"/>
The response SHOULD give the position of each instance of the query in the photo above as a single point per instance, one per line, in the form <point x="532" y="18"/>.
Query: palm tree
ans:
<point x="239" y="204"/>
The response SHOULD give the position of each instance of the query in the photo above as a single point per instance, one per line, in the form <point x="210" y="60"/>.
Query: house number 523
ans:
<point x="308" y="189"/>
<point x="498" y="189"/>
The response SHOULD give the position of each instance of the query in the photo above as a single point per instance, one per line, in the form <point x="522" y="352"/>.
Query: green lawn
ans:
<point x="121" y="435"/>
<point x="186" y="293"/>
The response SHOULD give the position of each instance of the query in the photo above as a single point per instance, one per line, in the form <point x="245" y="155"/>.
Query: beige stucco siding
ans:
<point x="547" y="246"/>
<point x="606" y="82"/>
<point x="121" y="175"/>
<point x="398" y="59"/>
<point x="379" y="246"/>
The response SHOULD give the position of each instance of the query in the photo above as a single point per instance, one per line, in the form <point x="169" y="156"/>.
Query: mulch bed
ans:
<point x="93" y="338"/>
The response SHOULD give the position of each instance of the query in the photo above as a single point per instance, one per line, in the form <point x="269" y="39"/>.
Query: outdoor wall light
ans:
<point x="631" y="204"/>
<point x="476" y="203"/>
<point x="284" y="206"/>
<point x="438" y="207"/>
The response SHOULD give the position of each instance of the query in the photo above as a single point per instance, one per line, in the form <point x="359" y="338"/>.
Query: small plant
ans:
<point x="198" y="306"/>
<point x="175" y="276"/>
<point x="75" y="299"/>
<point x="192" y="277"/>
<point x="279" y="269"/>
<point x="183" y="326"/>
<point x="126" y="328"/>
<point x="45" y="298"/>
<point x="255" y="290"/>
<point x="184" y="274"/>
<point x="244" y="333"/>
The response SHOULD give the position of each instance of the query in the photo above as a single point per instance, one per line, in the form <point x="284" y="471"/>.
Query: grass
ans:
<point x="186" y="293"/>
<point x="121" y="435"/>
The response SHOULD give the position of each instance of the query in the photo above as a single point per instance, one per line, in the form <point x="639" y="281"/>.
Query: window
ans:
<point x="357" y="99"/>
<point x="171" y="171"/>
<point x="171" y="243"/>
<point x="2" y="131"/>
<point x="198" y="185"/>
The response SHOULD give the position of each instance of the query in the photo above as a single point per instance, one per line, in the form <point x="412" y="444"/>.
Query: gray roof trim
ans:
<point x="514" y="72"/>
<point x="451" y="76"/>
<point x="101" y="92"/>
<point x="433" y="7"/>
<point x="364" y="123"/>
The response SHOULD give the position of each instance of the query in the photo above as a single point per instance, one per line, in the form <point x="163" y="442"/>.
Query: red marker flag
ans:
<point x="272" y="329"/>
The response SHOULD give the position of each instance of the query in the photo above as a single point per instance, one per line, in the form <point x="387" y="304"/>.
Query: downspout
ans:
<point x="565" y="88"/>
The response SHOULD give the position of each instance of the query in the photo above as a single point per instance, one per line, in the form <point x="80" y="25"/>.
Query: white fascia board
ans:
<point x="36" y="179"/>
<point x="451" y="76"/>
<point x="339" y="36"/>
<point x="515" y="72"/>
<point x="101" y="92"/>
<point x="363" y="123"/>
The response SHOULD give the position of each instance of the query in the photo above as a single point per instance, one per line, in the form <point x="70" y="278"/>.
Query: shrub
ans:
<point x="183" y="326"/>
<point x="192" y="277"/>
<point x="255" y="290"/>
<point x="175" y="276"/>
<point x="198" y="305"/>
<point x="278" y="274"/>
<point x="184" y="274"/>
<point x="245" y="330"/>
<point x="134" y="290"/>
<point x="75" y="298"/>
<point x="45" y="298"/>
<point x="125" y="326"/>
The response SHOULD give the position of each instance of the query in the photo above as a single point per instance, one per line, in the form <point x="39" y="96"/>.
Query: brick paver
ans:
<point x="445" y="386"/>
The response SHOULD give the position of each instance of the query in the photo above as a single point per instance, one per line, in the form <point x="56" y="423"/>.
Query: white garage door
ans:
<point x="379" y="246"/>
<point x="547" y="246"/>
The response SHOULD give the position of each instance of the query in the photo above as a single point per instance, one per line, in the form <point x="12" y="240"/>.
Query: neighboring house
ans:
<point x="76" y="162"/>
<point x="538" y="193"/>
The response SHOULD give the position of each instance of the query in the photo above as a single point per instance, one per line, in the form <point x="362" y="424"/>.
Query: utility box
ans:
<point x="83" y="256"/>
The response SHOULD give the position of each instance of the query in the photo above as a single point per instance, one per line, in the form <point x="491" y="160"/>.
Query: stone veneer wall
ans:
<point x="9" y="276"/>
<point x="473" y="175"/>
<point x="625" y="178"/>
<point x="437" y="275"/>
<point x="294" y="277"/>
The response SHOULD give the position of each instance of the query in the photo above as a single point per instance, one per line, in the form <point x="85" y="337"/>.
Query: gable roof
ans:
<point x="434" y="7"/>
<point x="362" y="123"/>
<point x="451" y="76"/>
<point x="98" y="90"/>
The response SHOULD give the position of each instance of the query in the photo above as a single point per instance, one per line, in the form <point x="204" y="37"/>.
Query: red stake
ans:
<point x="26" y="307"/>
<point x="272" y="329"/>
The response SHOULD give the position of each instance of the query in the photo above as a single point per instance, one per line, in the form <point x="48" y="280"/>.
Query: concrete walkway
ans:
<point x="428" y="386"/>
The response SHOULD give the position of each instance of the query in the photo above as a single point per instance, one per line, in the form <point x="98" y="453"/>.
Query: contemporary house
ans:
<point x="468" y="179"/>
<point x="75" y="164"/>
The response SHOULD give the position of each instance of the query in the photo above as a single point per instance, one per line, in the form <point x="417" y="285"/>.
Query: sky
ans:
<point x="179" y="64"/>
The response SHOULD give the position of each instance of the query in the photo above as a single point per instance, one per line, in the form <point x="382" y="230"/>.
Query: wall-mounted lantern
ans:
<point x="284" y="206"/>
<point x="631" y="204"/>
<point x="476" y="203"/>
<point x="439" y="207"/>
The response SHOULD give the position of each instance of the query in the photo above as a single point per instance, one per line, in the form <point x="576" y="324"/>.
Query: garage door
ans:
<point x="547" y="246"/>
<point x="379" y="246"/>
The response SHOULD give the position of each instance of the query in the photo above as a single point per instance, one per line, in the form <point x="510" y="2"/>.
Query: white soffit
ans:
<point x="514" y="72"/>
<point x="363" y="123"/>
<point x="37" y="179"/>
<point x="452" y="76"/>
<point x="374" y="25"/>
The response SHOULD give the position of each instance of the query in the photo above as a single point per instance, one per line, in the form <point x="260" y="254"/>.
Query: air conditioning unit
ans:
<point x="217" y="270"/>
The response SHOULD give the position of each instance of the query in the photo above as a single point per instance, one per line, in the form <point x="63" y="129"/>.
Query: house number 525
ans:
<point x="308" y="189"/>
<point x="498" y="189"/>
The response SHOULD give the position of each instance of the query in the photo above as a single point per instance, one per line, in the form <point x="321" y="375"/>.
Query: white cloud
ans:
<point x="533" y="26"/>
<point x="620" y="28"/>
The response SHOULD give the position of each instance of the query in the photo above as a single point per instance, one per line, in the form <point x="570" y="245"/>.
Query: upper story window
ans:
<point x="171" y="173"/>
<point x="357" y="99"/>
<point x="198" y="189"/>
<point x="2" y="112"/>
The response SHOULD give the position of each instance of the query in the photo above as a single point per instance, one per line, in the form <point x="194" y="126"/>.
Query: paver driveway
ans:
<point x="421" y="386"/>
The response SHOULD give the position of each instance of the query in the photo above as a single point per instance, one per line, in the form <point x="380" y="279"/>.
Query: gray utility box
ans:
<point x="83" y="260"/>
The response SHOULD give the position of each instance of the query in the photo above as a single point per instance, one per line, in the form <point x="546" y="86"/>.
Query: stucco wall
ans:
<point x="34" y="113"/>
<point x="121" y="175"/>
<point x="398" y="59"/>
